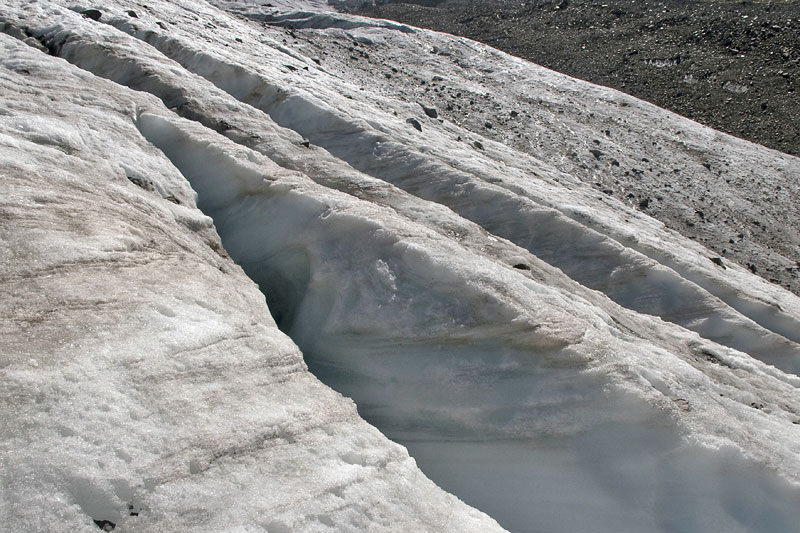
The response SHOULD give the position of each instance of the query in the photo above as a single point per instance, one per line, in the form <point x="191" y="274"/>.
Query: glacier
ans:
<point x="222" y="220"/>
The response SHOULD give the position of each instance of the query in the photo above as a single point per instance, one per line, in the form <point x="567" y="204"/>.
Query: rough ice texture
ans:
<point x="144" y="382"/>
<point x="554" y="359"/>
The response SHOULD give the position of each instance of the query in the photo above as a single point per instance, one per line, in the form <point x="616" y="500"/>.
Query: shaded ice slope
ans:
<point x="519" y="389"/>
<point x="143" y="380"/>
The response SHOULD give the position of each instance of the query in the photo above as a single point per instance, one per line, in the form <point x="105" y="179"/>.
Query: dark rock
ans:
<point x="478" y="145"/>
<point x="718" y="261"/>
<point x="430" y="111"/>
<point x="93" y="14"/>
<point x="414" y="122"/>
<point x="712" y="357"/>
<point x="105" y="525"/>
<point x="131" y="13"/>
<point x="487" y="125"/>
<point x="218" y="249"/>
<point x="596" y="153"/>
<point x="142" y="183"/>
<point x="522" y="266"/>
<point x="306" y="143"/>
<point x="644" y="204"/>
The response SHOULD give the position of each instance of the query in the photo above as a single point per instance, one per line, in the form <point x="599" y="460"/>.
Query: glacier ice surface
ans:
<point x="145" y="383"/>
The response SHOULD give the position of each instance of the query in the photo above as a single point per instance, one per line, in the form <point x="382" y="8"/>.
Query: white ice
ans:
<point x="483" y="307"/>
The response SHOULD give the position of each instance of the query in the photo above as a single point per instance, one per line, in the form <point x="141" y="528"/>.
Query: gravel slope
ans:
<point x="730" y="65"/>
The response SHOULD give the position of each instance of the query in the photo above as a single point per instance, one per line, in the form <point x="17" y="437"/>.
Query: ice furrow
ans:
<point x="567" y="242"/>
<point x="666" y="297"/>
<point x="252" y="128"/>
<point x="672" y="291"/>
<point x="631" y="285"/>
<point x="148" y="77"/>
<point x="455" y="397"/>
<point x="304" y="20"/>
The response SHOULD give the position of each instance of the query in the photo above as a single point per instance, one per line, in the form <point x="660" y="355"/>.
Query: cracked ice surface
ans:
<point x="146" y="384"/>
